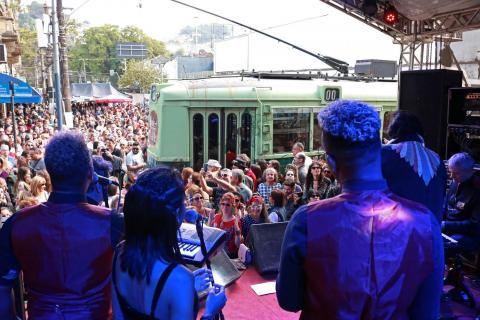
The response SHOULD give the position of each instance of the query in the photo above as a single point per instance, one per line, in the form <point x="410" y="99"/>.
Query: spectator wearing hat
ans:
<point x="223" y="183"/>
<point x="257" y="213"/>
<point x="213" y="166"/>
<point x="243" y="162"/>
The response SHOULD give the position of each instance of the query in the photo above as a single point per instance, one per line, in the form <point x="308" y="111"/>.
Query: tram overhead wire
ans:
<point x="338" y="65"/>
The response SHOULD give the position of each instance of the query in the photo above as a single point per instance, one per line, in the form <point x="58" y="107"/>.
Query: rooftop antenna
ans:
<point x="338" y="65"/>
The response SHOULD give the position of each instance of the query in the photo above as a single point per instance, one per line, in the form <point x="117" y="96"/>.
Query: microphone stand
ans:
<point x="203" y="248"/>
<point x="120" y="185"/>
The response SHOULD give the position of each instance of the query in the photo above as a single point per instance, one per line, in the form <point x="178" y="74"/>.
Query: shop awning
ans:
<point x="24" y="93"/>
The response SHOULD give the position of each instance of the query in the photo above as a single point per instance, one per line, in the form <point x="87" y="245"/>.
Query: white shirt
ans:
<point x="134" y="159"/>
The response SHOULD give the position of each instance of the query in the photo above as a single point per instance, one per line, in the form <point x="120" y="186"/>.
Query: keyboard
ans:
<point x="188" y="250"/>
<point x="189" y="242"/>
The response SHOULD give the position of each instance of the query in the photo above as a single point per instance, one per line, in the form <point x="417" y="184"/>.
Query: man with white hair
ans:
<point x="300" y="161"/>
<point x="462" y="219"/>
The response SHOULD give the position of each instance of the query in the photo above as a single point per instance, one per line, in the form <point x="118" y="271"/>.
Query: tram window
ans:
<point x="246" y="134"/>
<point x="290" y="125"/>
<point x="317" y="141"/>
<point x="197" y="141"/>
<point x="231" y="139"/>
<point x="387" y="118"/>
<point x="213" y="125"/>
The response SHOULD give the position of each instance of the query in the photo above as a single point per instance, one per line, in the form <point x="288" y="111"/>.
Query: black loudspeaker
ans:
<point x="425" y="94"/>
<point x="266" y="244"/>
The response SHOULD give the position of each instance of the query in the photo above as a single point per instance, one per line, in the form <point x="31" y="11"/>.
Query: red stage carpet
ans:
<point x="243" y="303"/>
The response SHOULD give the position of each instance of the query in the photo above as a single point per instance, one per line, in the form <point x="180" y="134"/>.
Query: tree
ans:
<point x="154" y="47"/>
<point x="95" y="50"/>
<point x="30" y="13"/>
<point x="28" y="45"/>
<point x="139" y="74"/>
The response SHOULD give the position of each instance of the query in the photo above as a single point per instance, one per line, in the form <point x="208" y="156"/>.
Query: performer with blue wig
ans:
<point x="366" y="253"/>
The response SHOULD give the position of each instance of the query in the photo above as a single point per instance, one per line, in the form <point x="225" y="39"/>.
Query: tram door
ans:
<point x="220" y="134"/>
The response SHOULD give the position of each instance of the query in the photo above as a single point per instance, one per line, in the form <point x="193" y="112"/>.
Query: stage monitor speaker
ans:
<point x="425" y="94"/>
<point x="266" y="244"/>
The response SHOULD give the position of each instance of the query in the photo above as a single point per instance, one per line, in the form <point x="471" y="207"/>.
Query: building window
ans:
<point x="290" y="125"/>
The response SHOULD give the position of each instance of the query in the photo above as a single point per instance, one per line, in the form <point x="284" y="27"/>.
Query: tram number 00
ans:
<point x="332" y="94"/>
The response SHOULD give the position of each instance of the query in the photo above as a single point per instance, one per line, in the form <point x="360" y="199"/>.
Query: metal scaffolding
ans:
<point x="420" y="41"/>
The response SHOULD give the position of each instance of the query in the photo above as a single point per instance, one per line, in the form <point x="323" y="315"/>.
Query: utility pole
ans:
<point x="56" y="69"/>
<point x="62" y="39"/>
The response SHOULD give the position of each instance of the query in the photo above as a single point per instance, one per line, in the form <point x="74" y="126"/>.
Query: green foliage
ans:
<point x="96" y="50"/>
<point x="28" y="44"/>
<point x="29" y="14"/>
<point x="154" y="47"/>
<point x="139" y="74"/>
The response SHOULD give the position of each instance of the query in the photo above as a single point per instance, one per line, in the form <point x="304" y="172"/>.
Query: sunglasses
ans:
<point x="315" y="168"/>
<point x="237" y="200"/>
<point x="197" y="198"/>
<point x="256" y="206"/>
<point x="225" y="204"/>
<point x="326" y="171"/>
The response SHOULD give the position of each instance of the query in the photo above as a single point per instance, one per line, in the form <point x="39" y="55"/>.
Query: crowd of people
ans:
<point x="233" y="199"/>
<point x="117" y="134"/>
<point x="371" y="216"/>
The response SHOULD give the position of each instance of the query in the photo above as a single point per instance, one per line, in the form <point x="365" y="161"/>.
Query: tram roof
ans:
<point x="237" y="88"/>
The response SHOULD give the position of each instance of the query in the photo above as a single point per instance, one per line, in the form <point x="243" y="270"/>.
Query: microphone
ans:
<point x="105" y="180"/>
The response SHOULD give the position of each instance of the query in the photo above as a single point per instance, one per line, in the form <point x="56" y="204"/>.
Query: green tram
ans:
<point x="192" y="121"/>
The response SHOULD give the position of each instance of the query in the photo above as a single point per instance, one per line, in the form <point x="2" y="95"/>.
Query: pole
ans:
<point x="62" y="39"/>
<point x="12" y="108"/>
<point x="56" y="68"/>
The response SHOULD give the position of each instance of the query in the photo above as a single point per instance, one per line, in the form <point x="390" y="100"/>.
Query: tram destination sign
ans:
<point x="131" y="50"/>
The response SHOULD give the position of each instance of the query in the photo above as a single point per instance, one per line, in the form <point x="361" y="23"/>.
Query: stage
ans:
<point x="243" y="303"/>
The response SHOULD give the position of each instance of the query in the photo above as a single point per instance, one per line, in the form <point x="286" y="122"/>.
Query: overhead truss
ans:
<point x="416" y="37"/>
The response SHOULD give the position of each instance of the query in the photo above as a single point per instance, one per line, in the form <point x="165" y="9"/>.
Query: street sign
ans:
<point x="131" y="50"/>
